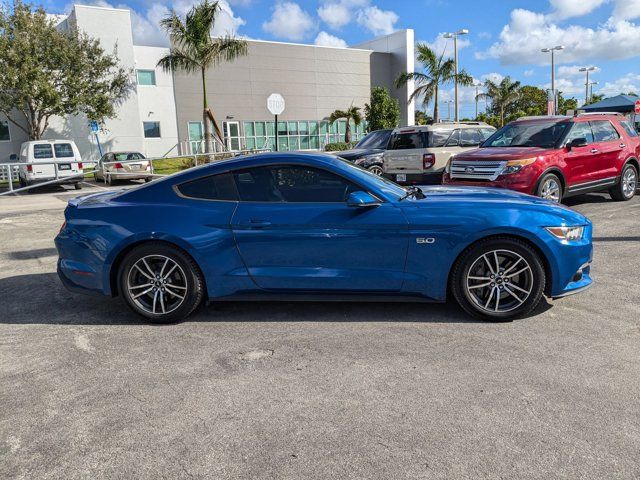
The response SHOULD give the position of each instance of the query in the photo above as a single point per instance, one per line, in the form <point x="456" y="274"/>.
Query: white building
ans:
<point x="162" y="115"/>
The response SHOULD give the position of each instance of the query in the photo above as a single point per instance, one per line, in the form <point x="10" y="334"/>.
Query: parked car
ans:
<point x="45" y="157"/>
<point x="298" y="226"/>
<point x="555" y="157"/>
<point x="418" y="155"/>
<point x="368" y="151"/>
<point x="122" y="166"/>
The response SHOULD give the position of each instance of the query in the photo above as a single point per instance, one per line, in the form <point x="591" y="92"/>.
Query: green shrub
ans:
<point x="339" y="146"/>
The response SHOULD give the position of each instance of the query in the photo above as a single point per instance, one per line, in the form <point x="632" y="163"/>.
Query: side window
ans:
<point x="407" y="140"/>
<point x="454" y="139"/>
<point x="63" y="150"/>
<point x="580" y="130"/>
<point x="629" y="128"/>
<point x="469" y="137"/>
<point x="42" y="150"/>
<point x="292" y="184"/>
<point x="438" y="138"/>
<point x="213" y="187"/>
<point x="603" y="131"/>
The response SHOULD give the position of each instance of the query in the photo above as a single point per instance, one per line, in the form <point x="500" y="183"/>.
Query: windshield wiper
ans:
<point x="413" y="192"/>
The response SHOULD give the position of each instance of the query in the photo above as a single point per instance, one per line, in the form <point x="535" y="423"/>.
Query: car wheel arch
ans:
<point x="120" y="256"/>
<point x="510" y="236"/>
<point x="557" y="172"/>
<point x="633" y="161"/>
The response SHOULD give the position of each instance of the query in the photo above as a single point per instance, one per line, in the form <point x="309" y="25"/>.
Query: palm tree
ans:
<point x="193" y="50"/>
<point x="353" y="113"/>
<point x="502" y="95"/>
<point x="437" y="71"/>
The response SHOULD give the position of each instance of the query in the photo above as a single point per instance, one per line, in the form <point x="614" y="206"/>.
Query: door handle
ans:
<point x="622" y="145"/>
<point x="594" y="150"/>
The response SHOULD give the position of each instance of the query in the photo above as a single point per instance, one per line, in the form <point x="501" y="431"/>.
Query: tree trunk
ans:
<point x="208" y="139"/>
<point x="501" y="116"/>
<point x="347" y="132"/>
<point x="435" y="105"/>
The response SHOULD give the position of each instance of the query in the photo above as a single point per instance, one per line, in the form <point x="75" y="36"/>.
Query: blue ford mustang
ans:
<point x="311" y="226"/>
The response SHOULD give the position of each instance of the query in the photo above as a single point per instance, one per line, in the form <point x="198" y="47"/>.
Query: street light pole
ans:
<point x="455" y="35"/>
<point x="591" y="84"/>
<point x="477" y="85"/>
<point x="553" y="72"/>
<point x="586" y="82"/>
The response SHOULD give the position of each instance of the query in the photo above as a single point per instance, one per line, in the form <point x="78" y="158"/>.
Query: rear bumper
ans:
<point x="61" y="180"/>
<point x="128" y="176"/>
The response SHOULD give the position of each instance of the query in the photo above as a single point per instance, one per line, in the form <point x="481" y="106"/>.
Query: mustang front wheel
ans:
<point x="498" y="279"/>
<point x="160" y="282"/>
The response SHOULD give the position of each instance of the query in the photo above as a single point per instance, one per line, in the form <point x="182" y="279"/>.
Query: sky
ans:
<point x="505" y="36"/>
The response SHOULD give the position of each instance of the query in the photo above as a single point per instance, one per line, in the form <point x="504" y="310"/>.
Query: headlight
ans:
<point x="566" y="233"/>
<point x="359" y="160"/>
<point x="514" y="166"/>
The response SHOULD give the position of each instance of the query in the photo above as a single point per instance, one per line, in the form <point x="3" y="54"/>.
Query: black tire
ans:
<point x="188" y="272"/>
<point x="77" y="186"/>
<point x="468" y="301"/>
<point x="549" y="179"/>
<point x="622" y="191"/>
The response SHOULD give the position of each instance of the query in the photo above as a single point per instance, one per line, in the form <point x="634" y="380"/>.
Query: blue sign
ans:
<point x="95" y="128"/>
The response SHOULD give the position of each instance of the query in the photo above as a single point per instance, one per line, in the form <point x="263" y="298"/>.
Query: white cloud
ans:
<point x="484" y="35"/>
<point x="494" y="77"/>
<point x="336" y="15"/>
<point x="625" y="84"/>
<point x="289" y="21"/>
<point x="574" y="8"/>
<point x="528" y="32"/>
<point x="626" y="9"/>
<point x="329" y="40"/>
<point x="442" y="44"/>
<point x="529" y="72"/>
<point x="378" y="22"/>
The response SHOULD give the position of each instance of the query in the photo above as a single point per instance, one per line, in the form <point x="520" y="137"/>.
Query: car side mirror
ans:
<point x="577" y="142"/>
<point x="362" y="200"/>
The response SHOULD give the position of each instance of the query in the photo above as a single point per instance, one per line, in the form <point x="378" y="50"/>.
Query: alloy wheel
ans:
<point x="499" y="281"/>
<point x="376" y="170"/>
<point x="550" y="190"/>
<point x="157" y="284"/>
<point x="629" y="182"/>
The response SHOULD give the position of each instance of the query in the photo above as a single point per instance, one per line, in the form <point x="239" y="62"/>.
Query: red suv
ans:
<point x="555" y="157"/>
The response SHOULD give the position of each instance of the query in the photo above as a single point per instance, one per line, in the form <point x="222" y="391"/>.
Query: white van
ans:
<point x="40" y="157"/>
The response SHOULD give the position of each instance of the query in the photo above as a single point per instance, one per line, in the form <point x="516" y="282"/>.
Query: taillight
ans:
<point x="118" y="165"/>
<point x="428" y="160"/>
<point x="80" y="165"/>
<point x="29" y="168"/>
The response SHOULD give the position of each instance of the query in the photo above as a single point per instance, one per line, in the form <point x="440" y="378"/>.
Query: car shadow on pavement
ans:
<point x="41" y="299"/>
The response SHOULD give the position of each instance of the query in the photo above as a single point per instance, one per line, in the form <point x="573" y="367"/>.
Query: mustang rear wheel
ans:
<point x="160" y="282"/>
<point x="498" y="279"/>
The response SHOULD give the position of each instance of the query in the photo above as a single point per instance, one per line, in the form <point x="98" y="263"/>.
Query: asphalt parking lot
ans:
<point x="316" y="390"/>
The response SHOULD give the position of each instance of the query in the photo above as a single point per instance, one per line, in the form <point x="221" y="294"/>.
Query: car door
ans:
<point x="581" y="161"/>
<point x="295" y="232"/>
<point x="609" y="145"/>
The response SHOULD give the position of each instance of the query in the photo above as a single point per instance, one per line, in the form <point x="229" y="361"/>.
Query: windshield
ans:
<point x="377" y="139"/>
<point x="543" y="135"/>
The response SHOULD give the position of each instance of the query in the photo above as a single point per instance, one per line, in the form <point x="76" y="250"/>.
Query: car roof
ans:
<point x="123" y="151"/>
<point x="442" y="126"/>
<point x="49" y="140"/>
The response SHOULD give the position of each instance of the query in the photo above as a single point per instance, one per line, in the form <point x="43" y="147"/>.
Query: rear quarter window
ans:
<point x="63" y="150"/>
<point x="407" y="140"/>
<point x="629" y="128"/>
<point x="213" y="187"/>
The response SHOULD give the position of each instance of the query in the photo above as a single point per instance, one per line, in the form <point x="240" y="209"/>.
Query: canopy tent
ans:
<point x="620" y="103"/>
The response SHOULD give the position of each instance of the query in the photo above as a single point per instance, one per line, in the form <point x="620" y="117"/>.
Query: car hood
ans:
<point x="467" y="197"/>
<point x="501" y="153"/>
<point x="358" y="152"/>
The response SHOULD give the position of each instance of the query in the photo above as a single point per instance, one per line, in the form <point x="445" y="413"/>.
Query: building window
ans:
<point x="146" y="77"/>
<point x="4" y="131"/>
<point x="151" y="129"/>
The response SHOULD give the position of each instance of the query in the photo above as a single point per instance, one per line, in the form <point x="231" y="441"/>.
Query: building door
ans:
<point x="232" y="135"/>
<point x="195" y="137"/>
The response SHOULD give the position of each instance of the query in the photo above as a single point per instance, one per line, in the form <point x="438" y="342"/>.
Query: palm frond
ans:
<point x="178" y="60"/>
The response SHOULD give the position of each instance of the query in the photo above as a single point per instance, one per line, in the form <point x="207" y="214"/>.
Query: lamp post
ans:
<point x="477" y="85"/>
<point x="553" y="71"/>
<point x="586" y="83"/>
<point x="455" y="35"/>
<point x="591" y="84"/>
